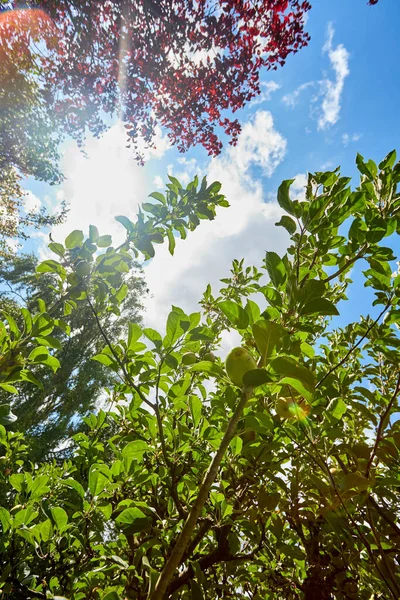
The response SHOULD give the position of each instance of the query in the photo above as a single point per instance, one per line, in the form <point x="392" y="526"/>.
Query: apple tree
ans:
<point x="275" y="478"/>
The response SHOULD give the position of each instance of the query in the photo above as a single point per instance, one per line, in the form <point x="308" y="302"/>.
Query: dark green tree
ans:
<point x="51" y="414"/>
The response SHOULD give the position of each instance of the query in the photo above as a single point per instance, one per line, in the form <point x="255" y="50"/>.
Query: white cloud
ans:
<point x="326" y="102"/>
<point x="331" y="90"/>
<point x="298" y="187"/>
<point x="259" y="144"/>
<point x="293" y="98"/>
<point x="347" y="138"/>
<point x="31" y="202"/>
<point x="158" y="182"/>
<point x="109" y="183"/>
<point x="267" y="89"/>
<point x="105" y="183"/>
<point x="190" y="168"/>
<point x="245" y="230"/>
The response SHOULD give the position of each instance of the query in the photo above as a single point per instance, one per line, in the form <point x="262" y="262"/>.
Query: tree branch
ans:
<point x="381" y="426"/>
<point x="184" y="537"/>
<point x="116" y="357"/>
<point x="339" y="364"/>
<point x="347" y="265"/>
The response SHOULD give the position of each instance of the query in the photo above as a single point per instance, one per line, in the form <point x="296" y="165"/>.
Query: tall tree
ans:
<point x="51" y="414"/>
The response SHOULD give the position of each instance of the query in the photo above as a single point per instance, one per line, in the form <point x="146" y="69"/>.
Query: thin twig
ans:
<point x="339" y="364"/>
<point x="382" y="425"/>
<point x="347" y="265"/>
<point x="116" y="357"/>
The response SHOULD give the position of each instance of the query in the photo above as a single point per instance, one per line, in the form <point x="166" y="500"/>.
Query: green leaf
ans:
<point x="5" y="519"/>
<point x="38" y="486"/>
<point x="133" y="519"/>
<point x="236" y="445"/>
<point x="299" y="386"/>
<point x="196" y="591"/>
<point x="42" y="325"/>
<point x="174" y="329"/>
<point x="9" y="388"/>
<point x="12" y="325"/>
<point x="57" y="249"/>
<point x="368" y="169"/>
<point x="276" y="268"/>
<point x="111" y="596"/>
<point x="205" y="366"/>
<point x="7" y="417"/>
<point x="256" y="377"/>
<point x="60" y="517"/>
<point x="146" y="247"/>
<point x="46" y="530"/>
<point x="104" y="241"/>
<point x="288" y="224"/>
<point x="171" y="241"/>
<point x="284" y="200"/>
<point x="38" y="352"/>
<point x="153" y="336"/>
<point x="50" y="361"/>
<point x="388" y="161"/>
<point x="74" y="239"/>
<point x="234" y="313"/>
<point x="24" y="517"/>
<point x="50" y="341"/>
<point x="354" y="481"/>
<point x="50" y="266"/>
<point x="127" y="223"/>
<point x="195" y="405"/>
<point x="17" y="480"/>
<point x="134" y="333"/>
<point x="377" y="229"/>
<point x="104" y="359"/>
<point x="97" y="482"/>
<point x="72" y="483"/>
<point x="40" y="355"/>
<point x="25" y="375"/>
<point x="27" y="320"/>
<point x="319" y="306"/>
<point x="93" y="233"/>
<point x="158" y="196"/>
<point x="204" y="334"/>
<point x="268" y="501"/>
<point x="253" y="311"/>
<point x="135" y="450"/>
<point x="267" y="336"/>
<point x="287" y="367"/>
<point x="337" y="408"/>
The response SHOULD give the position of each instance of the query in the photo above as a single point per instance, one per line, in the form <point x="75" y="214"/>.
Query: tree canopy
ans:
<point x="28" y="135"/>
<point x="275" y="478"/>
<point x="173" y="63"/>
<point x="52" y="413"/>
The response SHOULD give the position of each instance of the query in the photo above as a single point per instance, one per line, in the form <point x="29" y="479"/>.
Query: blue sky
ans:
<point x="334" y="98"/>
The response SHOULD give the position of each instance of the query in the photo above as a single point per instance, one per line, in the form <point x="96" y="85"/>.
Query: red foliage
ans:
<point x="178" y="63"/>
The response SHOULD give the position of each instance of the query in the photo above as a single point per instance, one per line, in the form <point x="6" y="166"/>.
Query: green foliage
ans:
<point x="185" y="470"/>
<point x="52" y="413"/>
